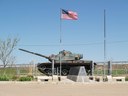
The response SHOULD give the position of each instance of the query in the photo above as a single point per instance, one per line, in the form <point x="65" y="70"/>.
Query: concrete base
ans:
<point x="119" y="79"/>
<point x="78" y="78"/>
<point x="109" y="78"/>
<point x="78" y="74"/>
<point x="49" y="78"/>
<point x="115" y="79"/>
<point x="42" y="78"/>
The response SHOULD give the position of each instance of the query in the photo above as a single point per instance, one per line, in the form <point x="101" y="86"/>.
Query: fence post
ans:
<point x="109" y="68"/>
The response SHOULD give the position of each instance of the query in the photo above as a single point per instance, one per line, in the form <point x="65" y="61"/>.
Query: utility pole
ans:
<point x="104" y="44"/>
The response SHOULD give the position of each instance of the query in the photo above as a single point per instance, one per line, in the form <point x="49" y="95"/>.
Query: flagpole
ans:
<point x="60" y="43"/>
<point x="68" y="16"/>
<point x="104" y="42"/>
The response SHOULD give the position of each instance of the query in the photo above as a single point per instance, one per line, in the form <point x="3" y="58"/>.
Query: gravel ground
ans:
<point x="63" y="89"/>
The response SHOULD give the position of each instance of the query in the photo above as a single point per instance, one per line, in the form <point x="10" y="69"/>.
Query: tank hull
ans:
<point x="46" y="68"/>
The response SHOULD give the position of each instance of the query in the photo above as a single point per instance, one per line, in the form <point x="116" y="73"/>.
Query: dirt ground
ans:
<point x="63" y="89"/>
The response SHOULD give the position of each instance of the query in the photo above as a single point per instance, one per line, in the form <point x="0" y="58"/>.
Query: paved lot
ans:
<point x="62" y="89"/>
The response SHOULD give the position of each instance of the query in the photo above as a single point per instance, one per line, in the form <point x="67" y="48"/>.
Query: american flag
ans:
<point x="69" y="15"/>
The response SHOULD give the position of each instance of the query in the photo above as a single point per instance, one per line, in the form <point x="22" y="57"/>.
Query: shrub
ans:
<point x="4" y="78"/>
<point x="27" y="78"/>
<point x="126" y="78"/>
<point x="15" y="77"/>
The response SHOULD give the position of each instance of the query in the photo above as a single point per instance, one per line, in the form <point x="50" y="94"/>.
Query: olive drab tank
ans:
<point x="68" y="60"/>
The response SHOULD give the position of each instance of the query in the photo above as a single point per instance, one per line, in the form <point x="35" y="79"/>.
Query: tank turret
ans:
<point x="64" y="55"/>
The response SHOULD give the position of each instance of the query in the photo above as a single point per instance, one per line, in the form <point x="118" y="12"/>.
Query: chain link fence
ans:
<point x="118" y="68"/>
<point x="114" y="68"/>
<point x="20" y="70"/>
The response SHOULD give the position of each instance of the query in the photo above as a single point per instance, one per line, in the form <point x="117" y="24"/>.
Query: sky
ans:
<point x="37" y="24"/>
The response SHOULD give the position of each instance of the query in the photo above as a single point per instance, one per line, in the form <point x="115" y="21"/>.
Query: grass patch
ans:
<point x="119" y="72"/>
<point x="26" y="78"/>
<point x="14" y="74"/>
<point x="4" y="78"/>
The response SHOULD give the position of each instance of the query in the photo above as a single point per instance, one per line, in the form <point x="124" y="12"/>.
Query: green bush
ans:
<point x="4" y="78"/>
<point x="15" y="78"/>
<point x="27" y="78"/>
<point x="126" y="78"/>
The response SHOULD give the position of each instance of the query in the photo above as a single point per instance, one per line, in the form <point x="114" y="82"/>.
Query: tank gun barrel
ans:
<point x="36" y="54"/>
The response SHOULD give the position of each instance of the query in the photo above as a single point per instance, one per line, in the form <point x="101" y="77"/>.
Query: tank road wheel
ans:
<point x="49" y="72"/>
<point x="41" y="68"/>
<point x="64" y="72"/>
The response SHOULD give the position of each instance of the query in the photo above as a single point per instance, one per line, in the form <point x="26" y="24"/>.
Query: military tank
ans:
<point x="67" y="59"/>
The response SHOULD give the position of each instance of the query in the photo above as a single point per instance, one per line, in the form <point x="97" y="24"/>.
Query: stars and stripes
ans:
<point x="69" y="15"/>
